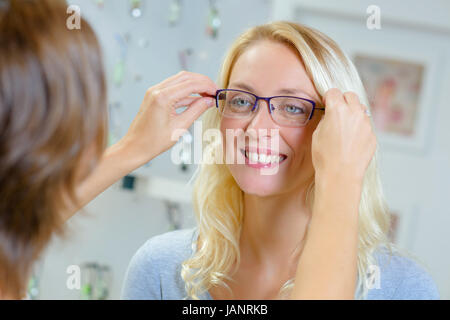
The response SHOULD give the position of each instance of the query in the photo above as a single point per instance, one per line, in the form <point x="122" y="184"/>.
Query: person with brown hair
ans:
<point x="53" y="123"/>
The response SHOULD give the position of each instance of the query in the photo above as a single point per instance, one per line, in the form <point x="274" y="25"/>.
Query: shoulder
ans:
<point x="169" y="244"/>
<point x="402" y="277"/>
<point x="154" y="270"/>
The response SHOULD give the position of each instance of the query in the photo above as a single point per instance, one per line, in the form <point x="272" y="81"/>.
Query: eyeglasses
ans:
<point x="285" y="110"/>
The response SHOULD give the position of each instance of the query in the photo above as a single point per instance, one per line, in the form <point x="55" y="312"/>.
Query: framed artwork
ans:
<point x="401" y="87"/>
<point x="393" y="88"/>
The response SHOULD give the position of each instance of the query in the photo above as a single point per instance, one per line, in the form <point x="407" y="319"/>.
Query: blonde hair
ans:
<point x="218" y="200"/>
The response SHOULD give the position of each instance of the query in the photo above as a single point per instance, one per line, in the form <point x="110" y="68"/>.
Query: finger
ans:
<point x="186" y="101"/>
<point x="318" y="127"/>
<point x="334" y="98"/>
<point x="201" y="94"/>
<point x="351" y="98"/>
<point x="176" y="78"/>
<point x="194" y="111"/>
<point x="182" y="90"/>
<point x="183" y="76"/>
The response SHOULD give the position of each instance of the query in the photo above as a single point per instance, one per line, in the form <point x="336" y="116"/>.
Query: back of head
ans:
<point x="52" y="116"/>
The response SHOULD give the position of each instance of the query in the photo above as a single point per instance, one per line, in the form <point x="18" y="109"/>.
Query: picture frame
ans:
<point x="401" y="87"/>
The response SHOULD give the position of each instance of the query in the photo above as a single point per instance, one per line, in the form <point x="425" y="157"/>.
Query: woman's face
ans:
<point x="265" y="69"/>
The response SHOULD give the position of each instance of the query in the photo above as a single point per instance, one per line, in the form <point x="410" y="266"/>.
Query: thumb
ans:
<point x="195" y="110"/>
<point x="318" y="127"/>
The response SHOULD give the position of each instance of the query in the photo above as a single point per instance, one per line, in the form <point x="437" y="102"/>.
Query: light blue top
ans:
<point x="155" y="272"/>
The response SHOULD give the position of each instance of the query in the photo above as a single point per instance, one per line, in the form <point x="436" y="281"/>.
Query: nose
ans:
<point x="262" y="130"/>
<point x="262" y="118"/>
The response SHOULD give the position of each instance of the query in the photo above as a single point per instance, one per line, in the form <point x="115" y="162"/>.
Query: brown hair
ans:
<point x="52" y="116"/>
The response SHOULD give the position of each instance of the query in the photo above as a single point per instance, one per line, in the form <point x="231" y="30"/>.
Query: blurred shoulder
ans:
<point x="176" y="243"/>
<point x="403" y="277"/>
<point x="154" y="270"/>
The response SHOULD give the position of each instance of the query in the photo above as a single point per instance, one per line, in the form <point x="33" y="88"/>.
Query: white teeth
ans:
<point x="263" y="158"/>
<point x="275" y="159"/>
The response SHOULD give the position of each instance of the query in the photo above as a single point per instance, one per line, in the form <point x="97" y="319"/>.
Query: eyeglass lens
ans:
<point x="288" y="111"/>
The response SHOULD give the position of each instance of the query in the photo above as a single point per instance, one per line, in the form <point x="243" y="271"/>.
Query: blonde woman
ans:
<point x="321" y="220"/>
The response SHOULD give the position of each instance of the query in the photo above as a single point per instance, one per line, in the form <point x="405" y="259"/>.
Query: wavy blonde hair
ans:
<point x="218" y="200"/>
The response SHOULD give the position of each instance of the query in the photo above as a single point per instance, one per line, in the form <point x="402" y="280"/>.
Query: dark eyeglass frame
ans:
<point x="269" y="106"/>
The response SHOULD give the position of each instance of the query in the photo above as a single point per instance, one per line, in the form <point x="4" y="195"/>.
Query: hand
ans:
<point x="152" y="130"/>
<point x="343" y="143"/>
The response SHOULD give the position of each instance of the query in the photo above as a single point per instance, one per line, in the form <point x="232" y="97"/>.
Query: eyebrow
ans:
<point x="281" y="91"/>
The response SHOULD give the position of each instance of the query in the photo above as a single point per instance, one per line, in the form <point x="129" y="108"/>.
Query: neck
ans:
<point x="274" y="227"/>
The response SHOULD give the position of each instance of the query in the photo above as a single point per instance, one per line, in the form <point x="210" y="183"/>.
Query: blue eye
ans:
<point x="294" y="109"/>
<point x="238" y="102"/>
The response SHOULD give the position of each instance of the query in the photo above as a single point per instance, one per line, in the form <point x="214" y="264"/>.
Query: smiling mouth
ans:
<point x="264" y="158"/>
